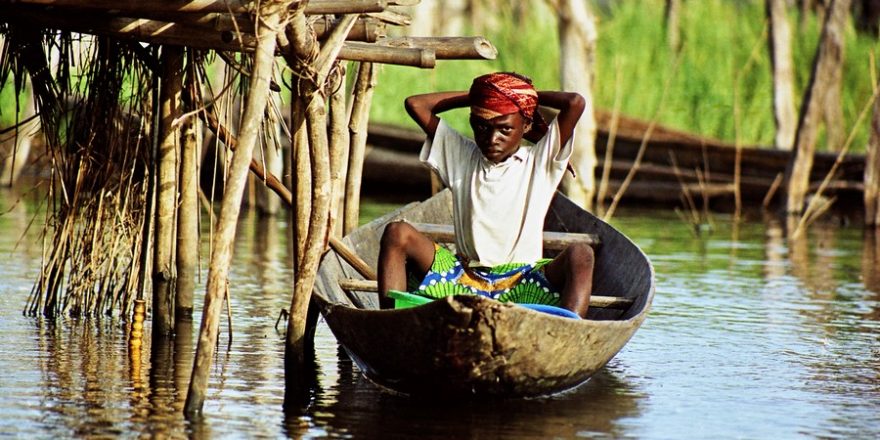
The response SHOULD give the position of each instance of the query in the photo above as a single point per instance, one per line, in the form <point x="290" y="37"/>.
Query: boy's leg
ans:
<point x="401" y="244"/>
<point x="572" y="272"/>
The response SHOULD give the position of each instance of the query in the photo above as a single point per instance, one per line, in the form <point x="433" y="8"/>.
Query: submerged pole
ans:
<point x="166" y="197"/>
<point x="316" y="240"/>
<point x="268" y="22"/>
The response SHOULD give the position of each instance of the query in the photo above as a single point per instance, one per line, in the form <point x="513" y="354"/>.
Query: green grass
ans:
<point x="718" y="38"/>
<point x="8" y="113"/>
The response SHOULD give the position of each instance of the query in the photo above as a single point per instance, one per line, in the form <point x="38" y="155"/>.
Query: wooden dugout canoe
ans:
<point x="468" y="345"/>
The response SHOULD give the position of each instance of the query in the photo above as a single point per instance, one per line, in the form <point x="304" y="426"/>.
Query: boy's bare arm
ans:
<point x="570" y="106"/>
<point x="424" y="108"/>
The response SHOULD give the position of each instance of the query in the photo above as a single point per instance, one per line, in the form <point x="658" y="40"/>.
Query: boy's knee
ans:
<point x="581" y="254"/>
<point x="397" y="234"/>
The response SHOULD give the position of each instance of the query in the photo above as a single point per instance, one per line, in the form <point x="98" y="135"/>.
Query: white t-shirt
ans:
<point x="498" y="209"/>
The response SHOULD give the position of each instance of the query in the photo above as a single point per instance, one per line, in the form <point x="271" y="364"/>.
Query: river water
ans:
<point x="749" y="337"/>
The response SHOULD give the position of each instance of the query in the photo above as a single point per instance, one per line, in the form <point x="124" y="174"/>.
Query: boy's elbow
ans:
<point x="409" y="104"/>
<point x="577" y="103"/>
<point x="412" y="107"/>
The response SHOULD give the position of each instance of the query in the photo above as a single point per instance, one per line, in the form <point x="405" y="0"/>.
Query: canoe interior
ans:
<point x="621" y="268"/>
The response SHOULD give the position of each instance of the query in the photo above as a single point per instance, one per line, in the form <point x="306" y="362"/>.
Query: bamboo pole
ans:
<point x="163" y="273"/>
<point x="475" y="48"/>
<point x="188" y="209"/>
<point x="354" y="51"/>
<point x="269" y="22"/>
<point x="357" y="126"/>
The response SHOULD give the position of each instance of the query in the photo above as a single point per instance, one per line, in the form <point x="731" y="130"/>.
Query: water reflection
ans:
<point x="871" y="260"/>
<point x="355" y="407"/>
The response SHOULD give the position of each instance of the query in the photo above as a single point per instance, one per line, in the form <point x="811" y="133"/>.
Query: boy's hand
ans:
<point x="539" y="128"/>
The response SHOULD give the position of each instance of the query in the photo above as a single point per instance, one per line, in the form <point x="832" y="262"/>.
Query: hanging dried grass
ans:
<point x="95" y="122"/>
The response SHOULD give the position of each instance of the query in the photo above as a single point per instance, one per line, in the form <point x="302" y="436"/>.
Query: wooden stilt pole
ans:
<point x="188" y="209"/>
<point x="302" y="184"/>
<point x="307" y="267"/>
<point x="339" y="149"/>
<point x="268" y="22"/>
<point x="872" y="169"/>
<point x="357" y="126"/>
<point x="166" y="198"/>
<point x="828" y="55"/>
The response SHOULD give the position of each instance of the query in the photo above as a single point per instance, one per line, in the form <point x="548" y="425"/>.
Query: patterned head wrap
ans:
<point x="498" y="94"/>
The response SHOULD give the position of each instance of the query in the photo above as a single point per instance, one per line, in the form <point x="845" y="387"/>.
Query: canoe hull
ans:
<point x="469" y="345"/>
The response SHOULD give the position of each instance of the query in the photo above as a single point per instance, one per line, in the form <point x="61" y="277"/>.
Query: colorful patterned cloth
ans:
<point x="498" y="94"/>
<point x="512" y="282"/>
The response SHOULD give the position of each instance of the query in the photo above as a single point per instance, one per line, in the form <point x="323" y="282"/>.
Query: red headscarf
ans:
<point x="498" y="94"/>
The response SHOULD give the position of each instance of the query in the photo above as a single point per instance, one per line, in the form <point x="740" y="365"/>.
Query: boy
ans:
<point x="501" y="192"/>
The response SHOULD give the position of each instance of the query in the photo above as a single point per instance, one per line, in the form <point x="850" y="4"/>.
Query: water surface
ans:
<point x="749" y="337"/>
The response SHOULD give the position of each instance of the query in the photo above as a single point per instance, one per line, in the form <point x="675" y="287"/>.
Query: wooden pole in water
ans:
<point x="872" y="169"/>
<point x="166" y="198"/>
<point x="268" y="22"/>
<point x="828" y="55"/>
<point x="188" y="209"/>
<point x="357" y="126"/>
<point x="307" y="267"/>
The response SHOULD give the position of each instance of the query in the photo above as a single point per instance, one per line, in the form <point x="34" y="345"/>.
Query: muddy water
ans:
<point x="750" y="337"/>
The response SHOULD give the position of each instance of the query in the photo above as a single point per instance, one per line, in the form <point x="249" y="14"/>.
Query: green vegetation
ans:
<point x="719" y="36"/>
<point x="8" y="104"/>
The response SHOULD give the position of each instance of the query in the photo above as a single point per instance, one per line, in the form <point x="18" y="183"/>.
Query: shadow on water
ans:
<point x="354" y="406"/>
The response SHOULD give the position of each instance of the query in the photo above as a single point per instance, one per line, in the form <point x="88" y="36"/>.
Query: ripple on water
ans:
<point x="742" y="342"/>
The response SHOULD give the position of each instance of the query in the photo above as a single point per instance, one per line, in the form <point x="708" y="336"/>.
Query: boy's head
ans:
<point x="502" y="107"/>
<point x="503" y="93"/>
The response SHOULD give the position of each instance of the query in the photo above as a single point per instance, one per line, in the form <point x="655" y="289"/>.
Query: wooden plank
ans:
<point x="605" y="302"/>
<point x="554" y="241"/>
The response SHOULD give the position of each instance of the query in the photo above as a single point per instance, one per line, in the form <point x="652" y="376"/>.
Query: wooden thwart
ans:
<point x="553" y="241"/>
<point x="607" y="302"/>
